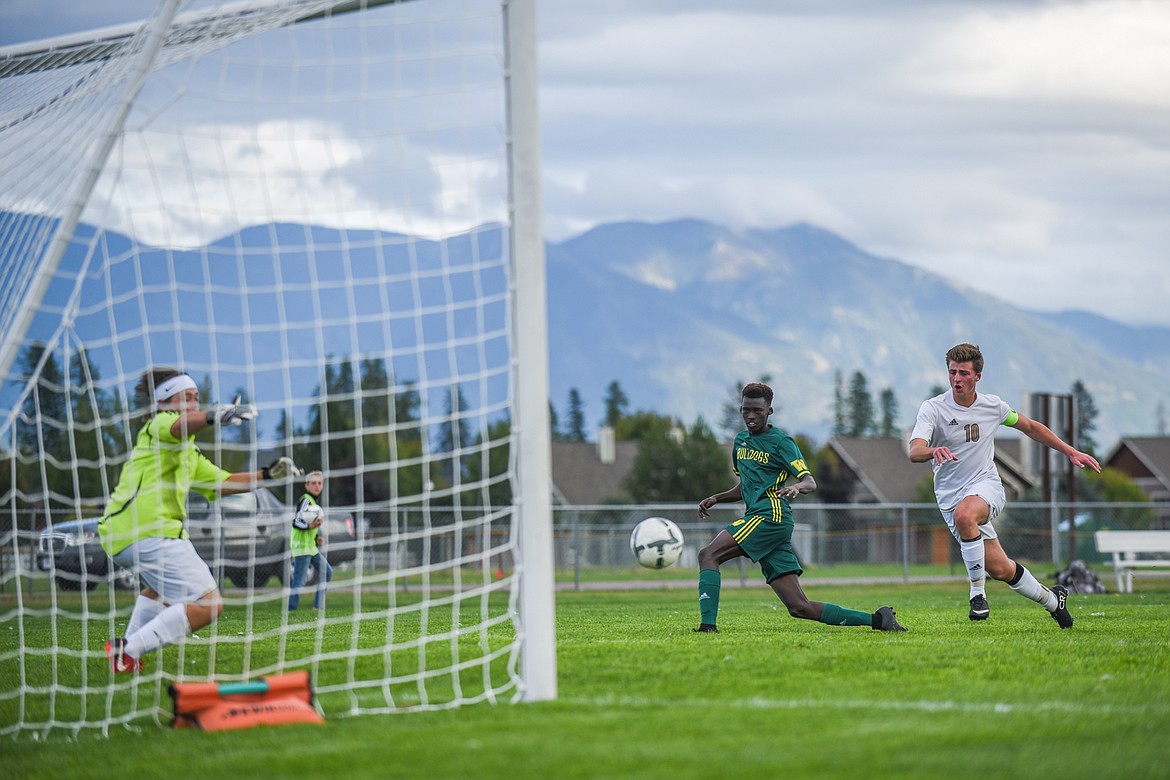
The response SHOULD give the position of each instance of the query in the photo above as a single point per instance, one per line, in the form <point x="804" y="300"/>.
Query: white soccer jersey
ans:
<point x="969" y="433"/>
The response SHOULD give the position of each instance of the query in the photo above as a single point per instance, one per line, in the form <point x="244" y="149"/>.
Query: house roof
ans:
<point x="881" y="467"/>
<point x="1009" y="460"/>
<point x="1144" y="458"/>
<point x="883" y="472"/>
<point x="579" y="476"/>
<point x="886" y="475"/>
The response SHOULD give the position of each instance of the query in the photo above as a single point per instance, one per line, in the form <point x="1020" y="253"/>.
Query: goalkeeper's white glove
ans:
<point x="281" y="467"/>
<point x="231" y="414"/>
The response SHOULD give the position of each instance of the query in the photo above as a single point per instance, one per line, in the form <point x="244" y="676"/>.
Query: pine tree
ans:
<point x="41" y="426"/>
<point x="390" y="435"/>
<point x="1086" y="412"/>
<point x="42" y="430"/>
<point x="889" y="410"/>
<point x="616" y="403"/>
<point x="840" y="410"/>
<point x="95" y="429"/>
<point x="576" y="430"/>
<point x="554" y="423"/>
<point x="323" y="444"/>
<point x="455" y="436"/>
<point x="860" y="420"/>
<point x="332" y="442"/>
<point x="490" y="465"/>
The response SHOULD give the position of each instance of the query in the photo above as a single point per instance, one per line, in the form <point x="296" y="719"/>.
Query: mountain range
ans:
<point x="681" y="312"/>
<point x="678" y="313"/>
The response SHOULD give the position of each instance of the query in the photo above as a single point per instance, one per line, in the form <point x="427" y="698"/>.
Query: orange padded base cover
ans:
<point x="284" y="698"/>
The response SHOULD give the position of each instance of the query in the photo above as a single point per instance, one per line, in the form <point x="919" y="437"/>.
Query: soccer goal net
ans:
<point x="329" y="210"/>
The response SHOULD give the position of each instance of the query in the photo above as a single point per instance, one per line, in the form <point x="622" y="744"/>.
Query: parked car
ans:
<point x="242" y="537"/>
<point x="72" y="552"/>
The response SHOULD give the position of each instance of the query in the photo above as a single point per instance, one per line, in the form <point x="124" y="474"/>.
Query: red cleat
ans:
<point x="120" y="662"/>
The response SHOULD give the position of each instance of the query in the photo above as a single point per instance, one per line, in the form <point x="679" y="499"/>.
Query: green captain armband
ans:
<point x="1012" y="418"/>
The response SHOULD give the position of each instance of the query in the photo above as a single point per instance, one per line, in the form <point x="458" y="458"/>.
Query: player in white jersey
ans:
<point x="955" y="431"/>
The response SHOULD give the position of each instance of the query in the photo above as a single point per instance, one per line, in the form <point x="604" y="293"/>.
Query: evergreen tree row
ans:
<point x="677" y="463"/>
<point x="366" y="431"/>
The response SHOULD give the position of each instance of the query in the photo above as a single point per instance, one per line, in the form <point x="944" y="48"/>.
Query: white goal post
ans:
<point x="332" y="210"/>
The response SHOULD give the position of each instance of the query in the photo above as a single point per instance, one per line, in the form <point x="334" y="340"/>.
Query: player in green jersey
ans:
<point x="143" y="525"/>
<point x="771" y="471"/>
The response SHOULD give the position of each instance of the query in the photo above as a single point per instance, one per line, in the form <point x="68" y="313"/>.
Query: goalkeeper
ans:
<point x="143" y="525"/>
<point x="306" y="536"/>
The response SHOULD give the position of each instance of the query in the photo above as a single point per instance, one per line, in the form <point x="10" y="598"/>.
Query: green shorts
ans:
<point x="768" y="543"/>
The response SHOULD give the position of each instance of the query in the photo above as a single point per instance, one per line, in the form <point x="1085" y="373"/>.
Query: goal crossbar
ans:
<point x="79" y="49"/>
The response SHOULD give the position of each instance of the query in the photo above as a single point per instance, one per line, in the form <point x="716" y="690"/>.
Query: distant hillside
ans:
<point x="678" y="312"/>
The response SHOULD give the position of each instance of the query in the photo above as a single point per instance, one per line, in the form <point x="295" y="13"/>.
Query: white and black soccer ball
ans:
<point x="310" y="514"/>
<point x="656" y="542"/>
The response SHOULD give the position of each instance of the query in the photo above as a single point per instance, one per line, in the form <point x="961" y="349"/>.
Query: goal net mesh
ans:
<point x="307" y="209"/>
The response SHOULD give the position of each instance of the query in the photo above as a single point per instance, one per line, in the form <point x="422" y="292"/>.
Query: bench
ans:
<point x="1126" y="546"/>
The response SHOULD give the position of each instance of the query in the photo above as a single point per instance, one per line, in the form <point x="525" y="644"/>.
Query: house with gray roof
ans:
<point x="877" y="470"/>
<point x="881" y="471"/>
<point x="586" y="473"/>
<point x="1146" y="459"/>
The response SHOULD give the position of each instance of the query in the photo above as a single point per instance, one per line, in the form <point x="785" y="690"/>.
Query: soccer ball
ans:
<point x="311" y="514"/>
<point x="656" y="542"/>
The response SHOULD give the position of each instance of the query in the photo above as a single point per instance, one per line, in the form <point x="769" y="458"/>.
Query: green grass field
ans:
<point x="640" y="695"/>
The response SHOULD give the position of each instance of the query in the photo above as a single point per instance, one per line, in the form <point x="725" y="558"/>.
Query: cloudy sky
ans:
<point x="1020" y="147"/>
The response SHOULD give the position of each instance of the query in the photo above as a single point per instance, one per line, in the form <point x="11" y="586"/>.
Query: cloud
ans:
<point x="975" y="138"/>
<point x="186" y="189"/>
<point x="984" y="141"/>
<point x="1099" y="52"/>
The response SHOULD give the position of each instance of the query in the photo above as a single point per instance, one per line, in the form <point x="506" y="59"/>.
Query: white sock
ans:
<point x="145" y="610"/>
<point x="1030" y="588"/>
<point x="973" y="560"/>
<point x="168" y="627"/>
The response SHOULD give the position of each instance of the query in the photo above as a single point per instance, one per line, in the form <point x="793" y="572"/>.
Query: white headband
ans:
<point x="175" y="384"/>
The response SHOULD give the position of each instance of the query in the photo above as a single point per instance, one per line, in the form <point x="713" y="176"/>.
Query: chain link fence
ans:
<point x="849" y="540"/>
<point x="591" y="543"/>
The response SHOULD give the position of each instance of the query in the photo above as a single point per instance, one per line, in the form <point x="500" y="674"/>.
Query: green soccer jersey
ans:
<point x="764" y="462"/>
<point x="151" y="496"/>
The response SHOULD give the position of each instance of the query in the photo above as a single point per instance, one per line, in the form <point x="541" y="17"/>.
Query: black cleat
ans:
<point x="706" y="628"/>
<point x="979" y="608"/>
<point x="887" y="621"/>
<point x="1061" y="615"/>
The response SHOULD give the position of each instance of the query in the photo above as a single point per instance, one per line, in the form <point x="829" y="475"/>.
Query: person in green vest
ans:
<point x="143" y="526"/>
<point x="305" y="543"/>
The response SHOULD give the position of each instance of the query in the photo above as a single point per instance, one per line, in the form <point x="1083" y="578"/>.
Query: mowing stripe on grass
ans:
<point x="1000" y="708"/>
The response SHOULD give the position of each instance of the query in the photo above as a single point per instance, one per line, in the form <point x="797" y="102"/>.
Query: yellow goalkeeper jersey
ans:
<point x="151" y="496"/>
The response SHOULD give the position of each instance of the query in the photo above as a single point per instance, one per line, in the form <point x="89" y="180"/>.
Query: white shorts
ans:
<point x="170" y="567"/>
<point x="991" y="491"/>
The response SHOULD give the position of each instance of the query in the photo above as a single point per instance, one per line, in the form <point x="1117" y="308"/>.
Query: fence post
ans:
<point x="1054" y="533"/>
<point x="820" y="531"/>
<point x="905" y="543"/>
<point x="576" y="536"/>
